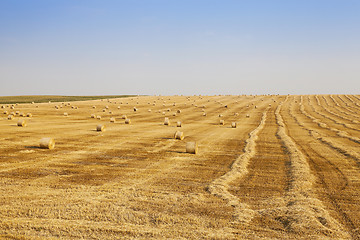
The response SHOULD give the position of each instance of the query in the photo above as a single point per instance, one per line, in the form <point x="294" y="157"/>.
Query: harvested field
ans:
<point x="289" y="170"/>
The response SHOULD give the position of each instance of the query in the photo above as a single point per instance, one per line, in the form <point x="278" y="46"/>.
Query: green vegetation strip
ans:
<point x="47" y="98"/>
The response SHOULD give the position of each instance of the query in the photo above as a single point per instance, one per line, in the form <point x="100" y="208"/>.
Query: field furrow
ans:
<point x="302" y="208"/>
<point x="330" y="119"/>
<point x="321" y="124"/>
<point x="220" y="186"/>
<point x="342" y="108"/>
<point x="343" y="148"/>
<point x="348" y="106"/>
<point x="341" y="116"/>
<point x="337" y="181"/>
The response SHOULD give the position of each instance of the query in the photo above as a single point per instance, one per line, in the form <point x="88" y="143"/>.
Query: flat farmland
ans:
<point x="289" y="170"/>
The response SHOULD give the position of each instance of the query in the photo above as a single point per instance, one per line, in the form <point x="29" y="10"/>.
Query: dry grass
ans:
<point x="219" y="186"/>
<point x="303" y="208"/>
<point x="138" y="182"/>
<point x="44" y="98"/>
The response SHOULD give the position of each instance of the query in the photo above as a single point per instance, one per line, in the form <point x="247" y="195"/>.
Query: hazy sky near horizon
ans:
<point x="88" y="47"/>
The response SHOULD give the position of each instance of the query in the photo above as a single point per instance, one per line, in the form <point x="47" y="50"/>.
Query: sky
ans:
<point x="169" y="47"/>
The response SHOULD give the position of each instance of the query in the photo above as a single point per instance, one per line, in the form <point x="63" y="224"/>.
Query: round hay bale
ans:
<point x="56" y="106"/>
<point x="98" y="117"/>
<point x="21" y="123"/>
<point x="2" y="106"/>
<point x="204" y="114"/>
<point x="118" y="107"/>
<point x="93" y="106"/>
<point x="10" y="117"/>
<point x="104" y="110"/>
<point x="21" y="114"/>
<point x="149" y="110"/>
<point x="110" y="112"/>
<point x="47" y="143"/>
<point x="112" y="120"/>
<point x="247" y="115"/>
<point x="12" y="107"/>
<point x="179" y="135"/>
<point x="174" y="114"/>
<point x="255" y="106"/>
<point x="127" y="121"/>
<point x="233" y="124"/>
<point x="178" y="111"/>
<point x="178" y="124"/>
<point x="135" y="109"/>
<point x="222" y="122"/>
<point x="66" y="114"/>
<point x="167" y="121"/>
<point x="17" y="112"/>
<point x="106" y="107"/>
<point x="163" y="113"/>
<point x="192" y="147"/>
<point x="220" y="115"/>
<point x="100" y="128"/>
<point x="169" y="110"/>
<point x="92" y="116"/>
<point x="29" y="115"/>
<point x="6" y="112"/>
<point x="236" y="114"/>
<point x="123" y="117"/>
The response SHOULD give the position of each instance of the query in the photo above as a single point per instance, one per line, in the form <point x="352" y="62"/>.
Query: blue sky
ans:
<point x="86" y="47"/>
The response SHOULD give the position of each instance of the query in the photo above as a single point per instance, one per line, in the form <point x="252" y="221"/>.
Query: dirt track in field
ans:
<point x="290" y="170"/>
